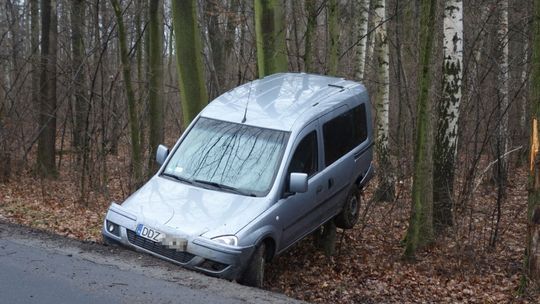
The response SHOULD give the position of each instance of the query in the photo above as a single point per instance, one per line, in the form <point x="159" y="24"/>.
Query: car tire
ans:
<point x="348" y="217"/>
<point x="254" y="274"/>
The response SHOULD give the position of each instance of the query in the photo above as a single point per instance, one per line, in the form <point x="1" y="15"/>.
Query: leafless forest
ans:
<point x="88" y="88"/>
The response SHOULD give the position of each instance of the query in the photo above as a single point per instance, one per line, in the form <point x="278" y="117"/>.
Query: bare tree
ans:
<point x="46" y="160"/>
<point x="189" y="59"/>
<point x="156" y="79"/>
<point x="136" y="157"/>
<point x="445" y="147"/>
<point x="420" y="231"/>
<point x="270" y="35"/>
<point x="386" y="190"/>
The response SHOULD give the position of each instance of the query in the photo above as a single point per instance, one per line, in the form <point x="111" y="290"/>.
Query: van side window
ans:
<point x="305" y="158"/>
<point x="343" y="133"/>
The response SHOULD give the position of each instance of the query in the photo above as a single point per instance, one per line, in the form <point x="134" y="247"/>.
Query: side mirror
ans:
<point x="298" y="182"/>
<point x="161" y="154"/>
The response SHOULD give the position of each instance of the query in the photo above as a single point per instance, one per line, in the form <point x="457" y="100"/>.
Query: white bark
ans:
<point x="362" y="28"/>
<point x="386" y="191"/>
<point x="382" y="103"/>
<point x="445" y="149"/>
<point x="453" y="71"/>
<point x="524" y="99"/>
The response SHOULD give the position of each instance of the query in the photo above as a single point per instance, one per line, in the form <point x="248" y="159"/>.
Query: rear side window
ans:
<point x="305" y="158"/>
<point x="343" y="133"/>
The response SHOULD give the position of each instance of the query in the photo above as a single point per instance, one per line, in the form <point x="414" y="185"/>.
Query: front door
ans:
<point x="300" y="209"/>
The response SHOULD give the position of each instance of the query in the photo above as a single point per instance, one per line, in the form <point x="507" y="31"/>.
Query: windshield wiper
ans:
<point x="223" y="187"/>
<point x="178" y="178"/>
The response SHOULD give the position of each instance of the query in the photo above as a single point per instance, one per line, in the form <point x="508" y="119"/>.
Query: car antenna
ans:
<point x="247" y="102"/>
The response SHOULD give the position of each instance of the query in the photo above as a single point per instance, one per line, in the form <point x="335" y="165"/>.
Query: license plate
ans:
<point x="149" y="233"/>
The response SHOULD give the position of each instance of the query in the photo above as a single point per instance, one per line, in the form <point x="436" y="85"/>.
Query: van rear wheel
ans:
<point x="254" y="274"/>
<point x="348" y="217"/>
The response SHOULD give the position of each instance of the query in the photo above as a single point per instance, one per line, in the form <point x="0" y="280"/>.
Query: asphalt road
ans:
<point x="36" y="267"/>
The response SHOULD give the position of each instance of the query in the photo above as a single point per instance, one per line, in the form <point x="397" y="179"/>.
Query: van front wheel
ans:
<point x="254" y="274"/>
<point x="348" y="217"/>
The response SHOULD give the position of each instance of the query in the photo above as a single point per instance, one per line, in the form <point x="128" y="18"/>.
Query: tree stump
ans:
<point x="534" y="254"/>
<point x="325" y="238"/>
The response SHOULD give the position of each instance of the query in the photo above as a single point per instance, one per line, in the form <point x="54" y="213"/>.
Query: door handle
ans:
<point x="319" y="188"/>
<point x="330" y="182"/>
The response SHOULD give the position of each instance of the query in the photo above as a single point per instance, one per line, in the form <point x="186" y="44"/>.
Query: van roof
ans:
<point x="280" y="101"/>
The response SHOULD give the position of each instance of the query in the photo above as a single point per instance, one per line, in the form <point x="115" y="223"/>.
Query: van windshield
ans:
<point x="228" y="157"/>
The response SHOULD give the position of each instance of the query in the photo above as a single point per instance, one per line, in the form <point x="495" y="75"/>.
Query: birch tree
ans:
<point x="362" y="8"/>
<point x="420" y="230"/>
<point x="445" y="148"/>
<point x="270" y="37"/>
<point x="532" y="251"/>
<point x="189" y="59"/>
<point x="385" y="191"/>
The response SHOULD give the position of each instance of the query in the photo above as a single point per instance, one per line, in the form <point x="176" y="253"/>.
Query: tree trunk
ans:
<point x="361" y="29"/>
<point x="324" y="238"/>
<point x="217" y="44"/>
<point x="333" y="37"/>
<point x="420" y="231"/>
<point x="311" y="13"/>
<point x="189" y="59"/>
<point x="34" y="44"/>
<point x="386" y="191"/>
<point x="501" y="144"/>
<point x="448" y="114"/>
<point x="532" y="252"/>
<point x="136" y="162"/>
<point x="46" y="165"/>
<point x="156" y="80"/>
<point x="270" y="32"/>
<point x="81" y="100"/>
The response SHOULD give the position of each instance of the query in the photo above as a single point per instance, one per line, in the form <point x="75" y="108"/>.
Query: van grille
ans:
<point x="179" y="256"/>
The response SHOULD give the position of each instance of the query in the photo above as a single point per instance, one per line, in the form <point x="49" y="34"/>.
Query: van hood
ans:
<point x="193" y="211"/>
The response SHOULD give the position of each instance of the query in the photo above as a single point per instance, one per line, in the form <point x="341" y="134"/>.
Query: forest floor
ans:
<point x="460" y="266"/>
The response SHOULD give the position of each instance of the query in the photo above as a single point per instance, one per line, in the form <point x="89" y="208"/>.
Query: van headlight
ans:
<point x="229" y="240"/>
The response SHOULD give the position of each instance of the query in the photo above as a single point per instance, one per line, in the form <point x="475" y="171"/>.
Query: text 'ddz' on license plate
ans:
<point x="149" y="233"/>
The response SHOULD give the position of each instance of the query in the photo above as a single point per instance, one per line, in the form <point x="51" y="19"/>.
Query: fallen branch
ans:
<point x="491" y="165"/>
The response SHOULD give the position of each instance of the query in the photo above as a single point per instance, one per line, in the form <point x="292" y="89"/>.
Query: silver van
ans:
<point x="260" y="168"/>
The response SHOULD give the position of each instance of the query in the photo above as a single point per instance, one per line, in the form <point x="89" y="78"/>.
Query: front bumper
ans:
<point x="201" y="254"/>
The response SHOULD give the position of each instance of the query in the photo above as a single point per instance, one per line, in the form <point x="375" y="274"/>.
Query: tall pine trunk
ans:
<point x="270" y="32"/>
<point x="189" y="59"/>
<point x="133" y="121"/>
<point x="156" y="80"/>
<point x="420" y="230"/>
<point x="46" y="157"/>
<point x="385" y="192"/>
<point x="445" y="148"/>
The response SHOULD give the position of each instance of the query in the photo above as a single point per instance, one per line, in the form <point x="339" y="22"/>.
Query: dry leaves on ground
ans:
<point x="458" y="267"/>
